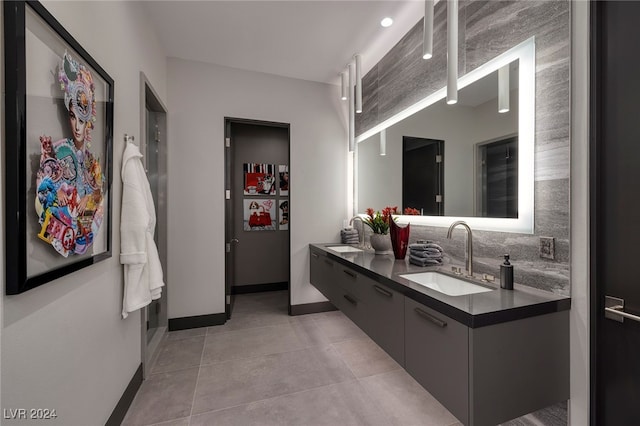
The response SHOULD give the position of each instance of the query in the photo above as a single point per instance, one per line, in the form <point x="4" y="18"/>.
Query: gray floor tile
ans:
<point x="179" y="354"/>
<point x="365" y="358"/>
<point x="266" y="301"/>
<point x="337" y="328"/>
<point x="252" y="319"/>
<point x="163" y="397"/>
<point x="241" y="381"/>
<point x="179" y="422"/>
<point x="309" y="332"/>
<point x="343" y="404"/>
<point x="328" y="314"/>
<point x="404" y="401"/>
<point x="250" y="343"/>
<point x="185" y="334"/>
<point x="555" y="415"/>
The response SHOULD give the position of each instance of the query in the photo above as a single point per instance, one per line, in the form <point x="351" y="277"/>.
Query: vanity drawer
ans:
<point x="437" y="356"/>
<point x="376" y="309"/>
<point x="385" y="318"/>
<point x="323" y="276"/>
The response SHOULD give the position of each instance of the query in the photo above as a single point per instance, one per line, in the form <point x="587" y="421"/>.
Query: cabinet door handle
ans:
<point x="382" y="291"/>
<point x="351" y="274"/>
<point x="431" y="318"/>
<point x="351" y="300"/>
<point x="314" y="255"/>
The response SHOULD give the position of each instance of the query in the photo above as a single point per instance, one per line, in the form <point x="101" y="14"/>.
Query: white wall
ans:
<point x="64" y="344"/>
<point x="579" y="319"/>
<point x="200" y="96"/>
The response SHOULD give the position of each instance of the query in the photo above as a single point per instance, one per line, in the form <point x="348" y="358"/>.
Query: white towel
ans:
<point x="143" y="278"/>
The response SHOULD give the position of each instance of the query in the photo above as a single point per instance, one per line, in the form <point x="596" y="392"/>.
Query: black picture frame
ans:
<point x="21" y="275"/>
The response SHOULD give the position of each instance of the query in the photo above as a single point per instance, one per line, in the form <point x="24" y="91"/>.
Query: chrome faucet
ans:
<point x="469" y="244"/>
<point x="361" y="233"/>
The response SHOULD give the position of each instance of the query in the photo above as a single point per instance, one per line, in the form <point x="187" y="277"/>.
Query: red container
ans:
<point x="399" y="239"/>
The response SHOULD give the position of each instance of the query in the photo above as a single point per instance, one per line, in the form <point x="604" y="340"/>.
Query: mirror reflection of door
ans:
<point x="423" y="175"/>
<point x="498" y="179"/>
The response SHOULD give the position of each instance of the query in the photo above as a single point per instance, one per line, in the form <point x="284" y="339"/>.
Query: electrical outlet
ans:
<point x="548" y="248"/>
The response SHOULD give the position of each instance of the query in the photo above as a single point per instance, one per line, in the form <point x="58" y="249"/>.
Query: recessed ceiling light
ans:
<point x="386" y="22"/>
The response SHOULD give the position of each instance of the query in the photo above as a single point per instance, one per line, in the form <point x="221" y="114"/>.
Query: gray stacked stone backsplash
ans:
<point x="488" y="28"/>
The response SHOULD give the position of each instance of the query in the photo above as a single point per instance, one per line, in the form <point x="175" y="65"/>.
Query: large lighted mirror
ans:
<point x="470" y="161"/>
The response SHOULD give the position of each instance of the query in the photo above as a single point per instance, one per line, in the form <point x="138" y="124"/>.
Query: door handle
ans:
<point x="614" y="310"/>
<point x="228" y="245"/>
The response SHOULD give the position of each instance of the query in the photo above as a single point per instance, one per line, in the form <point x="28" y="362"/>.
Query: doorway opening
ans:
<point x="153" y="146"/>
<point x="497" y="177"/>
<point x="423" y="175"/>
<point x="257" y="257"/>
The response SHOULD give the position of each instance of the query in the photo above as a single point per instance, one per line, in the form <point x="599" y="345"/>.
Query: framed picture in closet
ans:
<point x="259" y="179"/>
<point x="283" y="175"/>
<point x="259" y="214"/>
<point x="58" y="150"/>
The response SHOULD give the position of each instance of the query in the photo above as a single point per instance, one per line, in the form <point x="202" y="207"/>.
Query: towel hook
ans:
<point x="129" y="138"/>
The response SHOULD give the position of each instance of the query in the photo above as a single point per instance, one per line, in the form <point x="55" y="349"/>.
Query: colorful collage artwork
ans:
<point x="259" y="214"/>
<point x="270" y="214"/>
<point x="69" y="182"/>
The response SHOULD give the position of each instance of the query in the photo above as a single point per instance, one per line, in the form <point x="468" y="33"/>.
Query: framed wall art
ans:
<point x="283" y="217"/>
<point x="259" y="179"/>
<point x="283" y="172"/>
<point x="259" y="214"/>
<point x="58" y="150"/>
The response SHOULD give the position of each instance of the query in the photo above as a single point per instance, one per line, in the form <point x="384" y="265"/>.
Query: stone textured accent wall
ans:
<point x="486" y="29"/>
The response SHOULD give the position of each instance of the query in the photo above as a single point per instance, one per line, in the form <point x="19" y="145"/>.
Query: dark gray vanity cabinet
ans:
<point x="324" y="277"/>
<point x="437" y="356"/>
<point x="385" y="322"/>
<point x="349" y="299"/>
<point x="488" y="375"/>
<point x="376" y="309"/>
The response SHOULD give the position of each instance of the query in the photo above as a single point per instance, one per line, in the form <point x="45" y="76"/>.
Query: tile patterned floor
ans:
<point x="264" y="368"/>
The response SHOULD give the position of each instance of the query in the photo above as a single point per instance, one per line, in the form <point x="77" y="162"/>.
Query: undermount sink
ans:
<point x="445" y="284"/>
<point x="344" y="249"/>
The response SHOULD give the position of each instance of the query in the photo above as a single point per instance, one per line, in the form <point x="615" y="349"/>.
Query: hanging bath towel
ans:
<point x="143" y="278"/>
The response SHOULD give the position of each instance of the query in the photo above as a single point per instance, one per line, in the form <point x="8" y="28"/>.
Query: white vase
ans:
<point x="381" y="243"/>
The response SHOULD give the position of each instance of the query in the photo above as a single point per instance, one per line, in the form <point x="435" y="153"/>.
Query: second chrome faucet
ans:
<point x="469" y="244"/>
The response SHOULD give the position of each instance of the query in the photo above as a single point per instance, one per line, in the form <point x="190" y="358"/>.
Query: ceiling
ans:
<point x="304" y="39"/>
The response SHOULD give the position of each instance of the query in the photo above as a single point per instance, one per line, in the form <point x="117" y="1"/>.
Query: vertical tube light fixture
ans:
<point x="503" y="89"/>
<point x="452" y="51"/>
<point x="427" y="42"/>
<point x="352" y="117"/>
<point x="383" y="142"/>
<point x="344" y="92"/>
<point x="358" y="83"/>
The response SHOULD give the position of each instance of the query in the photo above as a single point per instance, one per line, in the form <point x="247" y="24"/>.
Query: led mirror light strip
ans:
<point x="383" y="142"/>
